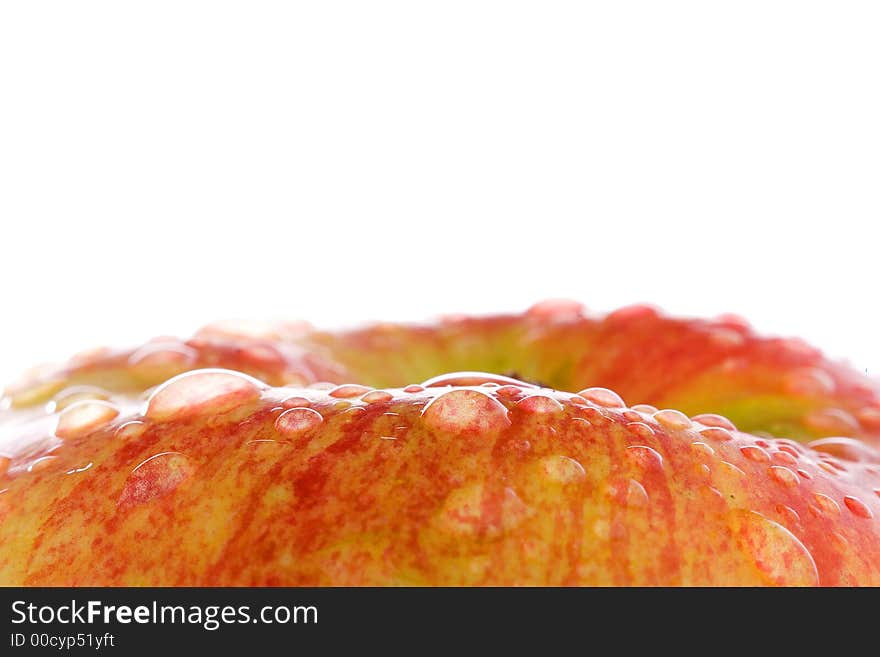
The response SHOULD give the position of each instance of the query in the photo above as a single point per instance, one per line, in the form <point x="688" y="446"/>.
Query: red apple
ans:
<point x="223" y="460"/>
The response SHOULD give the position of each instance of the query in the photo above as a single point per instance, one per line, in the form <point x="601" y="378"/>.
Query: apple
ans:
<point x="470" y="451"/>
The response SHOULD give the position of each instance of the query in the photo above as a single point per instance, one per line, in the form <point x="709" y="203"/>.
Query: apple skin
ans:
<point x="217" y="478"/>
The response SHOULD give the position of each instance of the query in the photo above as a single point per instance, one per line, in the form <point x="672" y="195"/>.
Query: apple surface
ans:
<point x="470" y="451"/>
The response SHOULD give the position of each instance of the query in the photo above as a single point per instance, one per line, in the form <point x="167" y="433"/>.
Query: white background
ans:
<point x="163" y="164"/>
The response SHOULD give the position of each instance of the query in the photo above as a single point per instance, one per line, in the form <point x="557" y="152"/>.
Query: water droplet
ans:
<point x="784" y="476"/>
<point x="702" y="448"/>
<point x="557" y="309"/>
<point x="130" y="430"/>
<point x="848" y="449"/>
<point x="41" y="464"/>
<point x="509" y="392"/>
<point x="74" y="394"/>
<point x="296" y="402"/>
<point x="470" y="510"/>
<point x="562" y="469"/>
<point x="81" y="469"/>
<point x="826" y="504"/>
<point x="783" y="458"/>
<point x="348" y="390"/>
<point x="200" y="392"/>
<point x="377" y="397"/>
<point x="298" y="422"/>
<point x="791" y="516"/>
<point x="472" y="379"/>
<point x="602" y="397"/>
<point x="726" y="338"/>
<point x="466" y="412"/>
<point x="83" y="417"/>
<point x="869" y="417"/>
<point x="831" y="421"/>
<point x="644" y="457"/>
<point x="717" y="434"/>
<point x="755" y="453"/>
<point x="157" y="359"/>
<point x="804" y="474"/>
<point x="640" y="430"/>
<point x="776" y="552"/>
<point x="672" y="419"/>
<point x="809" y="382"/>
<point x="636" y="495"/>
<point x="714" y="420"/>
<point x="156" y="477"/>
<point x="632" y="313"/>
<point x="414" y="388"/>
<point x="858" y="507"/>
<point x="539" y="405"/>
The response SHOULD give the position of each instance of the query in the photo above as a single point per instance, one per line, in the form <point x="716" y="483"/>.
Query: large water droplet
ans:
<point x="472" y="379"/>
<point x="200" y="392"/>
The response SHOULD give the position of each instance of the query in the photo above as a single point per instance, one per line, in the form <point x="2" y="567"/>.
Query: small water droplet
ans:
<point x="869" y="417"/>
<point x="509" y="392"/>
<point x="157" y="359"/>
<point x="200" y="392"/>
<point x="640" y="430"/>
<point x="414" y="388"/>
<point x="632" y="313"/>
<point x="156" y="477"/>
<point x="644" y="457"/>
<point x="783" y="458"/>
<point x="83" y="417"/>
<point x="539" y="405"/>
<point x="809" y="382"/>
<point x="714" y="420"/>
<point x="74" y="394"/>
<point x="831" y="421"/>
<point x="562" y="469"/>
<point x="81" y="469"/>
<point x="647" y="409"/>
<point x="377" y="397"/>
<point x="296" y="402"/>
<point x="636" y="495"/>
<point x="469" y="510"/>
<point x="466" y="412"/>
<point x="826" y="504"/>
<point x="702" y="448"/>
<point x="755" y="453"/>
<point x="672" y="419"/>
<point x="130" y="430"/>
<point x="726" y="338"/>
<point x="717" y="434"/>
<point x="857" y="507"/>
<point x="784" y="476"/>
<point x="557" y="310"/>
<point x="848" y="449"/>
<point x="41" y="464"/>
<point x="804" y="474"/>
<point x="602" y="397"/>
<point x="297" y="422"/>
<point x="348" y="391"/>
